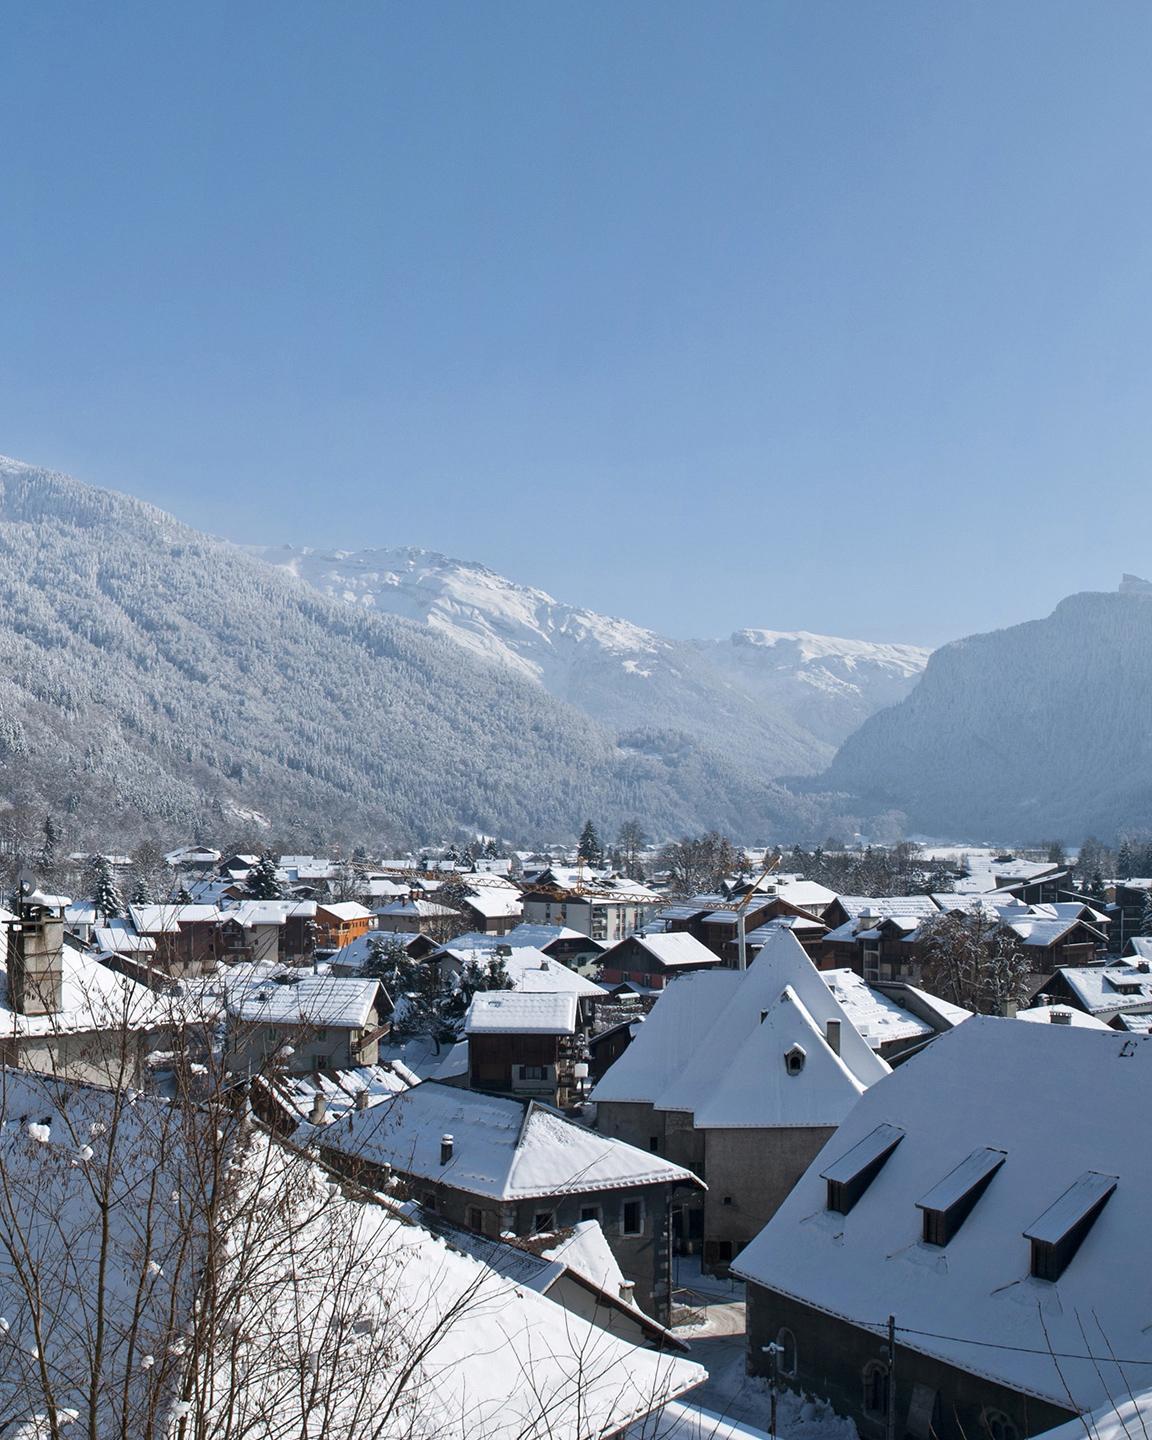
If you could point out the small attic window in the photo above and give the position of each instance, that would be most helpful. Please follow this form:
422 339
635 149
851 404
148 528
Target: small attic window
948 1204
794 1059
850 1176
1063 1227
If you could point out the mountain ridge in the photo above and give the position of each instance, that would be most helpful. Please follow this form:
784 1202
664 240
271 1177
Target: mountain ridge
780 701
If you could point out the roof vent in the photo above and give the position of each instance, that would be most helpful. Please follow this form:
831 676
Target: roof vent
447 1145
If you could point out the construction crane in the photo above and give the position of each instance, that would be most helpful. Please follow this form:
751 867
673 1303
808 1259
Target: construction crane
741 908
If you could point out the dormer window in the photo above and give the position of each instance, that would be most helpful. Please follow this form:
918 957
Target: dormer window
1064 1226
794 1059
850 1176
948 1204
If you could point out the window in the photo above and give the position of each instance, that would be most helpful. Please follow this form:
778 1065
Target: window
322 1037
533 1072
429 1201
786 1358
850 1176
632 1217
948 1204
1064 1226
543 1221
475 1218
589 1212
875 1395
654 1144
794 1059
1000 1426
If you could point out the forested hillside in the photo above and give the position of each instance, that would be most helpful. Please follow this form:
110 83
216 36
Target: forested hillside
1038 730
767 702
152 677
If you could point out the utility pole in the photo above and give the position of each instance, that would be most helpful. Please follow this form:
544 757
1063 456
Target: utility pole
774 1351
890 1427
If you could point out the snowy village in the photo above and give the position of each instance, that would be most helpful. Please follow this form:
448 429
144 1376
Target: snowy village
516 1145
575 746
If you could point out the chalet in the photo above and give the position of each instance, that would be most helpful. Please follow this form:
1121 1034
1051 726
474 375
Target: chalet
296 1022
876 937
1104 991
267 931
558 942
807 930
350 959
650 960
340 921
493 910
523 1043
1129 899
999 1233
186 936
501 1166
424 915
606 1046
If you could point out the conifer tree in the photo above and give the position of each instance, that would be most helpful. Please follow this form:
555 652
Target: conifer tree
1124 861
263 883
106 898
1146 915
589 848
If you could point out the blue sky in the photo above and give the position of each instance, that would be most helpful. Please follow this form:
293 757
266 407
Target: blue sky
819 314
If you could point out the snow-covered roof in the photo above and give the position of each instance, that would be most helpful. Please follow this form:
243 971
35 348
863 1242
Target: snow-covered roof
403 1335
784 1075
1043 932
416 910
343 910
527 933
519 1012
673 950
494 904
973 1303
269 912
1102 989
877 1017
1061 1015
888 905
343 1090
304 999
1125 1418
94 998
671 1032
503 1149
167 919
527 967
730 1042
118 938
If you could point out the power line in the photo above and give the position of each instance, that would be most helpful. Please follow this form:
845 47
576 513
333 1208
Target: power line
1015 1349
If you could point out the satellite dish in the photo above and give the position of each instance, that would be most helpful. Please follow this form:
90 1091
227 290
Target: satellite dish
28 882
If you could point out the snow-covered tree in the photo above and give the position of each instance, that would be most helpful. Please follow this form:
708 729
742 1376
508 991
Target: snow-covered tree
263 883
973 960
102 888
589 848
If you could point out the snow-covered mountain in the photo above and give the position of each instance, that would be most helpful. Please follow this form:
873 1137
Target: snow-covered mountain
778 701
1037 730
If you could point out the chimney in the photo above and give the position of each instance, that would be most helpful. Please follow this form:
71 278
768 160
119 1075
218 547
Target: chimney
832 1035
1059 1017
36 959
361 1101
446 1146
319 1107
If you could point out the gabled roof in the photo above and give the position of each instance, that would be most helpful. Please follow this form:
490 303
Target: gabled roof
502 1149
1103 989
94 998
304 999
527 967
494 903
973 1303
344 910
1061 1015
886 905
780 964
877 1016
519 1012
671 950
760 1089
671 1033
